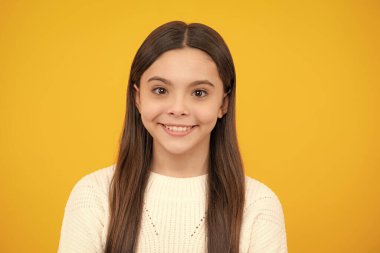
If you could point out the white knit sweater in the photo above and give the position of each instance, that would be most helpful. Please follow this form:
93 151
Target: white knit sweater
173 218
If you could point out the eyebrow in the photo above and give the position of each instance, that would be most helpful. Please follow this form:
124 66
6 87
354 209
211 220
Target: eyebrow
197 82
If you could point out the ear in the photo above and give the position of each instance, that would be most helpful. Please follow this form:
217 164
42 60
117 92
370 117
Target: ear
224 107
137 96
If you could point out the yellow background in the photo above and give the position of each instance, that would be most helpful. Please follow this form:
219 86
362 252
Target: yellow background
307 108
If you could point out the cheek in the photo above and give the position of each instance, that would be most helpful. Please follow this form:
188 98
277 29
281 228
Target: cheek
149 110
206 114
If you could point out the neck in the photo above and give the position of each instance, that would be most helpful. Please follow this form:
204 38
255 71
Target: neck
190 164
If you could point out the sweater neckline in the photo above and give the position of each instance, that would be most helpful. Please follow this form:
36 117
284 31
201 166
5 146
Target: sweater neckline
158 176
176 188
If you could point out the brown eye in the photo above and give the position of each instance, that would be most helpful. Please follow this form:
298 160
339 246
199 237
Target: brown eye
200 93
159 91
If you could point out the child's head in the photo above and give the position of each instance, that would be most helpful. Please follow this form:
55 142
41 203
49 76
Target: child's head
182 75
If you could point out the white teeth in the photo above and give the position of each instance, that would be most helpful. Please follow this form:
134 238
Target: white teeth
178 129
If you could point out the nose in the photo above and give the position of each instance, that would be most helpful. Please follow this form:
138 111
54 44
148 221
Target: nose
178 107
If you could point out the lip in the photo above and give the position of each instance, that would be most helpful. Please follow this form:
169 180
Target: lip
178 134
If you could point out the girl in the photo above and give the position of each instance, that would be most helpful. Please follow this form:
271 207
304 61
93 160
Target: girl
178 184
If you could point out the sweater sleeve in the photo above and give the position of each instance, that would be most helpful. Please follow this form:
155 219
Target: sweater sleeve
268 234
83 220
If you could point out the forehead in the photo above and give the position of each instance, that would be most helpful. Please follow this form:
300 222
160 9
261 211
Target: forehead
184 65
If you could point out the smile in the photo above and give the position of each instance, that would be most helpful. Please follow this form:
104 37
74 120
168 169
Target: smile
177 130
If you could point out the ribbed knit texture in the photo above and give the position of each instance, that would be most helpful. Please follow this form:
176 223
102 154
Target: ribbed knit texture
173 218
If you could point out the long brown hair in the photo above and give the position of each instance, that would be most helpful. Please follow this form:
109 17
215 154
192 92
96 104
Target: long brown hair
226 181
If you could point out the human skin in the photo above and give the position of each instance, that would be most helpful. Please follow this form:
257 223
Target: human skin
181 88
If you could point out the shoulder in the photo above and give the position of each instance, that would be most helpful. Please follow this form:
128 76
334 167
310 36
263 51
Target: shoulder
85 220
259 194
263 228
262 205
92 189
99 179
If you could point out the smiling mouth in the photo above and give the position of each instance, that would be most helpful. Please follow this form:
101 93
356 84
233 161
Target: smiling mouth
178 128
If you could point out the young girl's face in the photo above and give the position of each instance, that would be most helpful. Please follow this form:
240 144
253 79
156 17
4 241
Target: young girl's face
180 98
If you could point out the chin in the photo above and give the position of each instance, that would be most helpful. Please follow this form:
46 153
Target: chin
177 150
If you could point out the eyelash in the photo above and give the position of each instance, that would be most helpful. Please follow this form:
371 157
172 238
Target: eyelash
154 91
